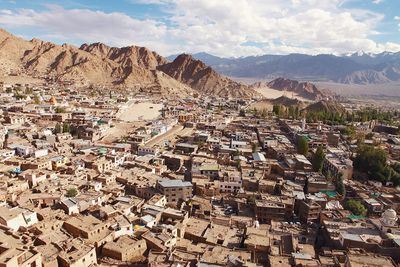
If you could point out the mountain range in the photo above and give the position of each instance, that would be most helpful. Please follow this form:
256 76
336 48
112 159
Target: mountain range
358 68
144 71
132 67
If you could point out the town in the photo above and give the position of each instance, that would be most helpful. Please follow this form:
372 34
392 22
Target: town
97 177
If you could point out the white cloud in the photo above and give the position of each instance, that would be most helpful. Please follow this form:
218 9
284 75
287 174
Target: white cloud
377 1
6 12
308 26
83 24
398 19
221 27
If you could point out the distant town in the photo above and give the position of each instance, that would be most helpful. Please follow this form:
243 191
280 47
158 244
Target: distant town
97 177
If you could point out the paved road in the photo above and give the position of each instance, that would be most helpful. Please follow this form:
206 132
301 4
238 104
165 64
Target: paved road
165 136
177 130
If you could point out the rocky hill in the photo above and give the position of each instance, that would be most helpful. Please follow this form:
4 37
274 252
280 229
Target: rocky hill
135 68
39 58
303 89
126 56
197 75
12 49
326 106
287 102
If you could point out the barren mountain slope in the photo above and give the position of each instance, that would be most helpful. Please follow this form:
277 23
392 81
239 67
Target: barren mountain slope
303 89
132 67
326 106
97 64
203 78
12 49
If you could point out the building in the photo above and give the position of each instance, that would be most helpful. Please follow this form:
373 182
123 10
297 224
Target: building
273 208
186 148
17 217
309 211
125 249
15 257
338 164
362 259
78 255
175 190
58 162
146 150
210 170
87 227
231 182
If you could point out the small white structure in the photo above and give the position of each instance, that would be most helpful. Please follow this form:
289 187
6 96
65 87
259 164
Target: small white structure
17 217
389 218
388 223
148 220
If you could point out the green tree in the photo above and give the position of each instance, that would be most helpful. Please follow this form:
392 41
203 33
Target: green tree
60 110
372 161
28 91
318 159
302 146
58 128
254 147
255 112
356 207
36 99
239 165
242 113
349 131
276 109
251 199
340 188
264 113
369 136
65 128
297 112
19 96
72 192
291 112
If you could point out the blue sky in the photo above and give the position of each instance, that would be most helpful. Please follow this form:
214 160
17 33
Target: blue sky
223 27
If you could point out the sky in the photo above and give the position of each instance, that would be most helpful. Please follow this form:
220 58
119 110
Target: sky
227 28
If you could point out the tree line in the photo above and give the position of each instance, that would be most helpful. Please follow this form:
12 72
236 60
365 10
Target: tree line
373 162
335 118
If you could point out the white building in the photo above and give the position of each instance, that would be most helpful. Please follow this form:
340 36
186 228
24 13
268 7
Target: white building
17 217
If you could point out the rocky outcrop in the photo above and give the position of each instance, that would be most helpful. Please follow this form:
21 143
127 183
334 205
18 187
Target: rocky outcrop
203 78
304 89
